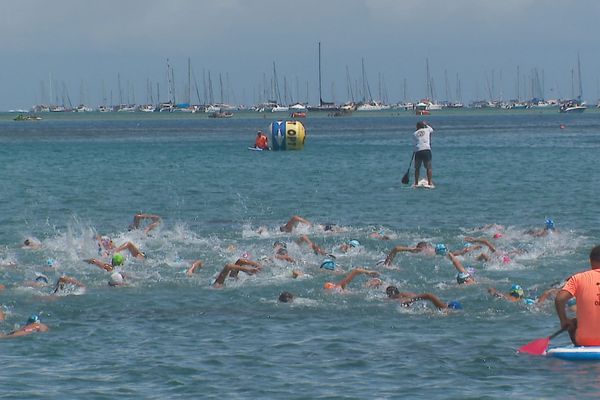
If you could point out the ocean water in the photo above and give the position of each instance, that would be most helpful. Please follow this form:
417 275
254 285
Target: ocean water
68 178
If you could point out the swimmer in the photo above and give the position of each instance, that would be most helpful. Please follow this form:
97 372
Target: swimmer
116 260
281 252
379 235
350 244
196 265
424 248
480 242
40 280
63 281
32 325
233 269
139 217
31 244
286 297
408 298
548 229
463 276
313 246
105 245
133 250
515 295
293 223
341 285
117 279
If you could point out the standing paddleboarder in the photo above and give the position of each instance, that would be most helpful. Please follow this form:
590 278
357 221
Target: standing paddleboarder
422 139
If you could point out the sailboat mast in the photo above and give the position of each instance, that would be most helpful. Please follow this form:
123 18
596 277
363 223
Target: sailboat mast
579 78
320 93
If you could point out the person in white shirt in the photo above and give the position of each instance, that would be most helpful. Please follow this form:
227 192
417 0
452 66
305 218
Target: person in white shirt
422 139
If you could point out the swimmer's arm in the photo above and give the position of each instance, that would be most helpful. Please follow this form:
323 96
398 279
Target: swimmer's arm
100 264
195 266
456 262
244 261
492 291
560 302
436 301
68 279
396 250
357 271
286 257
466 250
548 293
482 241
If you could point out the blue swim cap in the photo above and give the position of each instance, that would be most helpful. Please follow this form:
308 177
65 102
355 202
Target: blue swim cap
529 302
328 264
466 245
354 243
462 277
33 318
516 291
50 262
549 224
455 305
441 249
41 278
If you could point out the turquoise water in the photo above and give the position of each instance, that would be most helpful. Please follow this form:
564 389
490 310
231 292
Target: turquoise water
67 178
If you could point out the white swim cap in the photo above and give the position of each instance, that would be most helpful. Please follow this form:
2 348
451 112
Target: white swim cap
116 279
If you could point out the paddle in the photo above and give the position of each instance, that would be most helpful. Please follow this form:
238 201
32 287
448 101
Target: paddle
405 178
539 346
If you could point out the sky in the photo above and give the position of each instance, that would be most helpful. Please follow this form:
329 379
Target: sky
82 49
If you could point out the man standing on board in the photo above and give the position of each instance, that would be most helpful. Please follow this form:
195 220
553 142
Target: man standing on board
585 287
422 139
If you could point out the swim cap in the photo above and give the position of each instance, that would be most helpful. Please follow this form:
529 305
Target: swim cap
466 245
280 244
329 285
33 318
41 278
354 243
246 255
328 264
516 291
549 224
497 235
286 297
572 301
462 277
118 259
529 301
470 270
455 305
506 259
441 249
50 262
116 279
392 291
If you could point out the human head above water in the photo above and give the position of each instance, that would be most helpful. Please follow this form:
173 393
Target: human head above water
392 291
117 259
286 297
421 125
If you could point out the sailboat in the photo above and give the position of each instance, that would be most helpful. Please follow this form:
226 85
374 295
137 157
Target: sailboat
575 105
323 105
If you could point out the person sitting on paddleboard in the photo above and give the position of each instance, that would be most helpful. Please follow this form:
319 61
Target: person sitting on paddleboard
584 286
262 141
422 140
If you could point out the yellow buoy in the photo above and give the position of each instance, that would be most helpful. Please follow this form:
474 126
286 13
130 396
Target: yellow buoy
287 135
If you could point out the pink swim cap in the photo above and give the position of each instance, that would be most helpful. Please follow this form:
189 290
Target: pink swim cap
497 235
506 259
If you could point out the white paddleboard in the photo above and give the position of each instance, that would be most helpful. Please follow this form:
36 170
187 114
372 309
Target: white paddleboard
423 185
254 149
575 353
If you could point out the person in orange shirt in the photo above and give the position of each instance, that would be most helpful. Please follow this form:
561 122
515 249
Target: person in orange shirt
585 287
262 141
